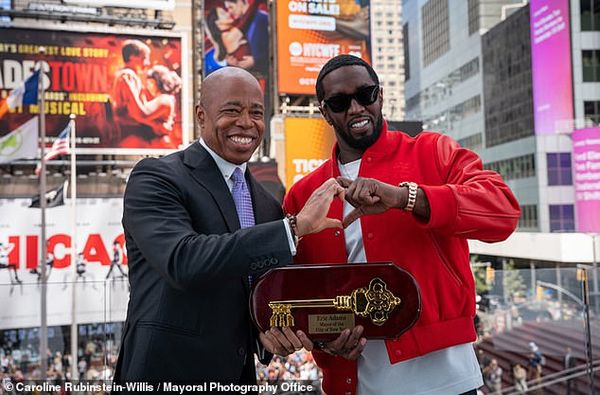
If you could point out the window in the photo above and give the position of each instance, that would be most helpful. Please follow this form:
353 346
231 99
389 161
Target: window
529 217
473 16
590 14
559 168
514 168
562 218
435 22
591 110
506 66
591 65
5 5
472 142
406 52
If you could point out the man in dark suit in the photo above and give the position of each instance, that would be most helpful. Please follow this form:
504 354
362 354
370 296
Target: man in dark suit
198 228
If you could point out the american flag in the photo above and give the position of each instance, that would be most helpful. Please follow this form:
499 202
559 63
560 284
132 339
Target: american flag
59 147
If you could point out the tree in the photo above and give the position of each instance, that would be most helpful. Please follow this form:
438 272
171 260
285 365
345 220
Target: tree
480 273
513 283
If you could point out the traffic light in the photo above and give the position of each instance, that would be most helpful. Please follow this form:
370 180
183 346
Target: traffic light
490 275
539 292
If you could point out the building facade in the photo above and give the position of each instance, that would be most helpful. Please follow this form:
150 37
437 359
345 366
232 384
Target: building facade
470 75
387 38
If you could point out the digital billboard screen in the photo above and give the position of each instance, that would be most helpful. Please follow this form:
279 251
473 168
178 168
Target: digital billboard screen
586 174
308 143
236 33
551 66
125 90
311 32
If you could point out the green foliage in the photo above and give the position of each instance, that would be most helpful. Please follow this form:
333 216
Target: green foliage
482 285
513 283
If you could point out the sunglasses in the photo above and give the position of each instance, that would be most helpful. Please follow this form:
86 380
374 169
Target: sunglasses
364 96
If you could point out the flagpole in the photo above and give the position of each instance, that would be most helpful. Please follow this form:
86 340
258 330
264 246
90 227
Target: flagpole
74 332
43 301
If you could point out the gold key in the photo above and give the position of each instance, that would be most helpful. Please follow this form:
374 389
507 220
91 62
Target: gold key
376 302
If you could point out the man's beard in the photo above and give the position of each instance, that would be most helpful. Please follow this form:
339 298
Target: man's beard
364 142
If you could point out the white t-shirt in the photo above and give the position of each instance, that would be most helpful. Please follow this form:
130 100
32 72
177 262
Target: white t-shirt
451 371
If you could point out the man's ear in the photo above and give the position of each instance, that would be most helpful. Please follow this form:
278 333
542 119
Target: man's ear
325 115
200 116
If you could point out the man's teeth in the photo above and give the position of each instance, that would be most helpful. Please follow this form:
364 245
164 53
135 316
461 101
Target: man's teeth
241 140
360 124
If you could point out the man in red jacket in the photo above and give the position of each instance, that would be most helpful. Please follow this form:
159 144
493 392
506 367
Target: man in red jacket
415 202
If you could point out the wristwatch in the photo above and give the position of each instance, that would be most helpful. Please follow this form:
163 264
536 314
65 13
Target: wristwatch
412 194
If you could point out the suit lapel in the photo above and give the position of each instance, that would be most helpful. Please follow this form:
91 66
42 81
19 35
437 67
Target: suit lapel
261 211
206 173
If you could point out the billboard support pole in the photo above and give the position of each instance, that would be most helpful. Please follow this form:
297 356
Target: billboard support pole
197 60
585 292
74 339
273 71
44 252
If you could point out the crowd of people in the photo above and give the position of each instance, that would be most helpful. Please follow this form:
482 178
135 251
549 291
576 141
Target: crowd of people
95 364
297 366
521 375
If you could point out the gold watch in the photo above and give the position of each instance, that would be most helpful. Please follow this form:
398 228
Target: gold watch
412 194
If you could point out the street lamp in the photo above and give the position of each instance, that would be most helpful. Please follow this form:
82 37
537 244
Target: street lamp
582 275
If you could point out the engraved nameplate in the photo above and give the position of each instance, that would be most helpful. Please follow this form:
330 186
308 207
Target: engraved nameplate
329 323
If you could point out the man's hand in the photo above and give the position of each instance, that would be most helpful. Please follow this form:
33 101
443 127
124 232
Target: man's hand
348 345
370 196
284 342
313 216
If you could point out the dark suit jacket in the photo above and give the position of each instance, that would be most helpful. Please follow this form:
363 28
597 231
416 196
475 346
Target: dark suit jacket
189 263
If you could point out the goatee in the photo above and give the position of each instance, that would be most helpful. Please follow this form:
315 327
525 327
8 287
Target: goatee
364 142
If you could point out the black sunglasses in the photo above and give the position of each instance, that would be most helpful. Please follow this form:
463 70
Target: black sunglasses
365 96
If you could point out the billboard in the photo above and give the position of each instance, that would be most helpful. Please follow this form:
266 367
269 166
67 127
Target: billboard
311 32
551 66
308 143
126 90
236 33
151 4
98 229
586 174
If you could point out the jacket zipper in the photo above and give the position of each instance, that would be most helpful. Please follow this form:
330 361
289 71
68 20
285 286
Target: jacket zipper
445 263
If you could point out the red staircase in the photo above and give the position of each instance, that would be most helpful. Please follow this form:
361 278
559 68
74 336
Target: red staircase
552 338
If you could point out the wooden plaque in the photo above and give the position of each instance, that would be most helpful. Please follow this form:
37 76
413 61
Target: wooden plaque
323 300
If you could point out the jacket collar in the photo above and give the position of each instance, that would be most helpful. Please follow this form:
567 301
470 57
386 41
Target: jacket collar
206 172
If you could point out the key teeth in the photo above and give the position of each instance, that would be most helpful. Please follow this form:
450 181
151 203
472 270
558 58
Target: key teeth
281 320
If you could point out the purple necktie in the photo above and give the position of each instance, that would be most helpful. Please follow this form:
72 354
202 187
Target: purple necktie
242 199
243 203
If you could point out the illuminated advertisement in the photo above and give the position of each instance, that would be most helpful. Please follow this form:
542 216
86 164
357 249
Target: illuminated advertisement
125 90
551 66
308 143
236 33
586 170
151 4
311 32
